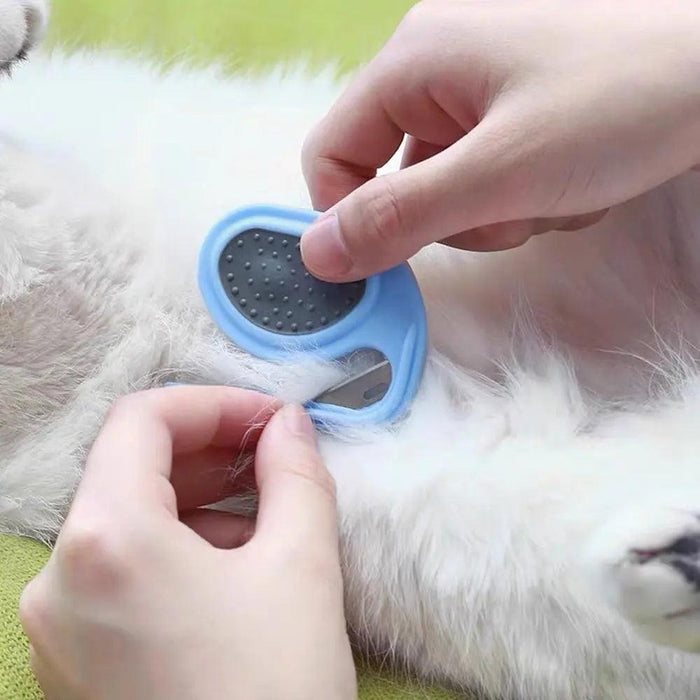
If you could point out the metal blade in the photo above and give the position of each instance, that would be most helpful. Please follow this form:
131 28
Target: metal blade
360 390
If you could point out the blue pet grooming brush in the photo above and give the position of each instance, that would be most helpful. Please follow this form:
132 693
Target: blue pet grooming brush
262 297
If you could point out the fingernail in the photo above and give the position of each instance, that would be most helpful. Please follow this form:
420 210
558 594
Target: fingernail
299 422
323 248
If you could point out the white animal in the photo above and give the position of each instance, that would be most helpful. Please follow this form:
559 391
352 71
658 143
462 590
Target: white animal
526 530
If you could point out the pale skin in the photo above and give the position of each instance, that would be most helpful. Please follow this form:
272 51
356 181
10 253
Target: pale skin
522 117
148 596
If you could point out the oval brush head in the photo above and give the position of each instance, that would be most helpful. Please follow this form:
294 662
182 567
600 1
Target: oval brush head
266 281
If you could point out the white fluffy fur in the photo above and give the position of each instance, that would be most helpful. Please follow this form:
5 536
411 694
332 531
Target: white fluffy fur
489 538
22 24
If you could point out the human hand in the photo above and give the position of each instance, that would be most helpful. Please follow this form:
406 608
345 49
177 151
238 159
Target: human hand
137 603
523 117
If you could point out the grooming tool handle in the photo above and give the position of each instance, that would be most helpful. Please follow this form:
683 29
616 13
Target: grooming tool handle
395 325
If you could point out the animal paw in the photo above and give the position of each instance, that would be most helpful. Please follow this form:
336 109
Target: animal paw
22 26
651 573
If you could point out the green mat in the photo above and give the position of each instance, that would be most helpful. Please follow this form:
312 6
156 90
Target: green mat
239 34
21 559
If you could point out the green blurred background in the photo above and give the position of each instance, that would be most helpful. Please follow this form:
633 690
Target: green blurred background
250 34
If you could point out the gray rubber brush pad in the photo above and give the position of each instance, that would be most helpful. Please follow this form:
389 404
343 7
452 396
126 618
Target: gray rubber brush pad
266 281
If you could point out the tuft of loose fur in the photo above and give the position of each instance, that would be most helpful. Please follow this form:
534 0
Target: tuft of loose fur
529 531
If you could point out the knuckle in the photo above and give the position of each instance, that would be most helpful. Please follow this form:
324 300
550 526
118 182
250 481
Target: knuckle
324 175
383 218
324 179
93 559
33 609
309 154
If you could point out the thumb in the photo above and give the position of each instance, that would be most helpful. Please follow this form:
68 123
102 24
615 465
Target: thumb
390 218
297 494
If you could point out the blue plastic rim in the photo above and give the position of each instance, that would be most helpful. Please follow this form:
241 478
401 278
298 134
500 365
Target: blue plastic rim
390 318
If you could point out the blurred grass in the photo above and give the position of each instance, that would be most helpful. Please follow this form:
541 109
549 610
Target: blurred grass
250 34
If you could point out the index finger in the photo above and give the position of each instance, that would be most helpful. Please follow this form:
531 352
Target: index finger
367 125
133 453
356 138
